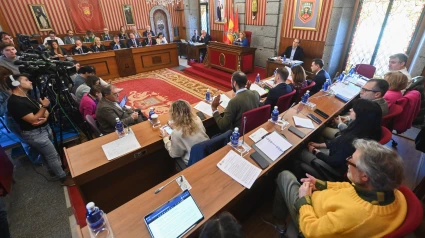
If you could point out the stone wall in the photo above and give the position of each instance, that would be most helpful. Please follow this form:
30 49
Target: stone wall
342 11
191 15
264 38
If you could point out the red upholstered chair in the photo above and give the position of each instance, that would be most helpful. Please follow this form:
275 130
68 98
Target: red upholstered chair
303 90
93 126
413 217
366 70
386 136
284 101
248 35
388 120
255 118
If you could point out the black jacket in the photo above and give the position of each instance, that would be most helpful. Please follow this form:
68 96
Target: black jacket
299 53
130 43
320 79
102 48
276 92
122 45
76 51
146 42
145 33
195 38
205 40
52 52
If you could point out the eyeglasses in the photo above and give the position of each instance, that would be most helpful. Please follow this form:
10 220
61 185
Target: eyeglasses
116 94
367 90
349 162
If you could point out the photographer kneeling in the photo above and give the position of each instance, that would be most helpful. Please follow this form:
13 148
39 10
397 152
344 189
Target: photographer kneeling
32 119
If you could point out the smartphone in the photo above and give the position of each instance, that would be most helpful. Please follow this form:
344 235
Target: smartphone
167 129
201 115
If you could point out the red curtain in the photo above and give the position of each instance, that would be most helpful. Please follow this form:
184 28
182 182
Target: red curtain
86 15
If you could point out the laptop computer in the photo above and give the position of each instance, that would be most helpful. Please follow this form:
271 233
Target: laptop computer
123 101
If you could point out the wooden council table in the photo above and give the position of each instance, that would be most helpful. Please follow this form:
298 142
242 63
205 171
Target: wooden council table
212 189
271 66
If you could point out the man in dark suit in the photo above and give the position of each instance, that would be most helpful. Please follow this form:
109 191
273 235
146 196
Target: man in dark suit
79 48
294 52
148 30
280 88
108 109
70 38
321 75
204 38
149 41
117 43
133 42
195 36
106 36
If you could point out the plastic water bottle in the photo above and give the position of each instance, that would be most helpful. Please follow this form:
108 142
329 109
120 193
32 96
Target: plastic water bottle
304 99
234 139
275 72
275 114
341 77
326 85
151 112
257 79
119 128
351 71
284 58
208 95
98 222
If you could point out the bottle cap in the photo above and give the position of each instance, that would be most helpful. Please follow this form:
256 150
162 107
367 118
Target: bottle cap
236 129
117 119
90 206
275 107
308 91
258 74
208 89
151 109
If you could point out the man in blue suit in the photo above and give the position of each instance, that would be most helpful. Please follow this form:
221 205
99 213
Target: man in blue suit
321 75
280 88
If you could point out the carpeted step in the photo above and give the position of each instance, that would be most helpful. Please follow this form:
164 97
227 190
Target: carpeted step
225 82
213 72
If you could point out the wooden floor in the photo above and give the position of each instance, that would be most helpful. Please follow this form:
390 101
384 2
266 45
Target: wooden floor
253 226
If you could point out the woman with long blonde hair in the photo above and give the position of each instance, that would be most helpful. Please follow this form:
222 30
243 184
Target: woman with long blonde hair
188 130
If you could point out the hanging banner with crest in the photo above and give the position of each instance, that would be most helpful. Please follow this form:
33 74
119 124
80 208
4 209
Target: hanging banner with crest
86 15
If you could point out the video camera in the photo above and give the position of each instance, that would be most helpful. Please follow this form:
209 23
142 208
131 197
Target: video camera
25 41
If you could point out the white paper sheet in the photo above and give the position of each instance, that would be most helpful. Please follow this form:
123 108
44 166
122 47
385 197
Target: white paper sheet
303 122
256 136
224 100
257 88
346 90
204 107
121 146
273 145
239 169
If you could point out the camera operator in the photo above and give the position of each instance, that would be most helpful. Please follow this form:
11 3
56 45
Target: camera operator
32 119
6 38
9 56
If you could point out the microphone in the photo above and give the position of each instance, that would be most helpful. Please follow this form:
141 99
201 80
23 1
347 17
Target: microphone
244 123
162 187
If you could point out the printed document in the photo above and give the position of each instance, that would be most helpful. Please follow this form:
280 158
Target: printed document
121 146
239 169
273 145
224 100
204 107
258 135
303 122
257 88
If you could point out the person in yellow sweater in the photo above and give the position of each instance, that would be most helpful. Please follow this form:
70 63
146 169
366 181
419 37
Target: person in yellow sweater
369 206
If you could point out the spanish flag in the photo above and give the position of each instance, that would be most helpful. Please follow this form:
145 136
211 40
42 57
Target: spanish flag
230 27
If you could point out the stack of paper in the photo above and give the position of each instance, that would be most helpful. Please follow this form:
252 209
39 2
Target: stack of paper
239 169
257 88
273 145
121 146
224 100
258 135
346 90
204 108
302 122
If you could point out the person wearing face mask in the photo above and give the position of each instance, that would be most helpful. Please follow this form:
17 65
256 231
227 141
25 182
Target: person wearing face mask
243 101
90 100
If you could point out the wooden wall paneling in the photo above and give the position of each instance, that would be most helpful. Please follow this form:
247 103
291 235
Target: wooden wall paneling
217 35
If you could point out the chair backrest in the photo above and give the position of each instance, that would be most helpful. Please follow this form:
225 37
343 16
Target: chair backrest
6 171
93 126
205 148
284 102
413 217
248 35
366 70
411 104
388 119
303 90
254 118
386 136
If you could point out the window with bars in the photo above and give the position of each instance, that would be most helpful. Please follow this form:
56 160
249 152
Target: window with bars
384 28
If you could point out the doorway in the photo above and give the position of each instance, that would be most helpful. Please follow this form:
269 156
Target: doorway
160 22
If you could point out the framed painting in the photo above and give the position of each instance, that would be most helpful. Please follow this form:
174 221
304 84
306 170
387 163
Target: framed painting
307 14
128 14
41 18
219 10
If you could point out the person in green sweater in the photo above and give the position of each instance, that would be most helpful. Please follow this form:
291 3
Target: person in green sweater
244 100
369 206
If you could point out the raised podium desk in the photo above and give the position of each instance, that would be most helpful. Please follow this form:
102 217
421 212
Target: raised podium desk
231 58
